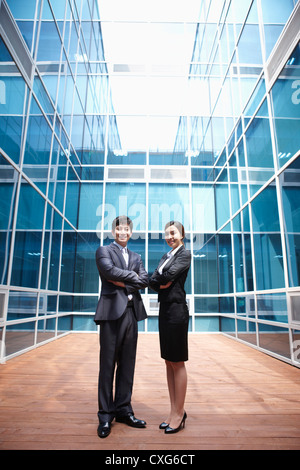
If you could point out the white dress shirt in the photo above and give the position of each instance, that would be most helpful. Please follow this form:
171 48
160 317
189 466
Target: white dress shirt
169 255
124 251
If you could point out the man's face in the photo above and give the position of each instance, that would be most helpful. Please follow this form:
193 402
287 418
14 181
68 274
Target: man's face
122 234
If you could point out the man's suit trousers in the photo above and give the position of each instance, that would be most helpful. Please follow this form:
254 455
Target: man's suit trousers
118 341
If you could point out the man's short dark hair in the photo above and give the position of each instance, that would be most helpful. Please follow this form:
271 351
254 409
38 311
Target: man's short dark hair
122 220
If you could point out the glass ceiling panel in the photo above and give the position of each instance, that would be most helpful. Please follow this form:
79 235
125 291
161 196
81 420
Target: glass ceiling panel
148 48
154 10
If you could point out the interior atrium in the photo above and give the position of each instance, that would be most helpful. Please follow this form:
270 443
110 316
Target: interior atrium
158 110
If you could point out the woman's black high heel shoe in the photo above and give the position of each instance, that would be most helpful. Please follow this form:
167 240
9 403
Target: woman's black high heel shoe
169 430
163 425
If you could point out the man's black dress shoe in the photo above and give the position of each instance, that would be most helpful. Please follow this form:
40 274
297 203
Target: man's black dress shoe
131 420
104 429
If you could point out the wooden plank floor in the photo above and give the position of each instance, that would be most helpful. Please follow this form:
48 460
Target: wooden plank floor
238 398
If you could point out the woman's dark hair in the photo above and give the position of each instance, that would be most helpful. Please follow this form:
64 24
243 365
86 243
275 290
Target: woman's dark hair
178 225
123 220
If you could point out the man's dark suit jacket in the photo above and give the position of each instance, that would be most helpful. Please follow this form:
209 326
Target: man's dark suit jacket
113 299
176 270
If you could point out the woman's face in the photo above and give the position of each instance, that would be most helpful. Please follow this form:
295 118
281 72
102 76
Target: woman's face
173 237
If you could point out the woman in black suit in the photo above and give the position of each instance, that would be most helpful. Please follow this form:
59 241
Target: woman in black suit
168 280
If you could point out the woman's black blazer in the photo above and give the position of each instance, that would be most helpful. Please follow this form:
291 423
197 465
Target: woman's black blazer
176 270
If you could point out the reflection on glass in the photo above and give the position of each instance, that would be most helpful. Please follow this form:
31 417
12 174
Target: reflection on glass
45 329
246 331
259 151
275 339
21 305
50 263
127 140
205 265
245 306
86 274
19 337
267 240
272 307
124 198
291 209
38 141
275 14
203 206
89 205
286 99
168 202
26 259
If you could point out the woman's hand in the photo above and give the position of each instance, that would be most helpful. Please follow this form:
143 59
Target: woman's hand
118 283
165 286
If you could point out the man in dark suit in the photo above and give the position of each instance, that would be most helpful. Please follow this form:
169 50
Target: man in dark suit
119 309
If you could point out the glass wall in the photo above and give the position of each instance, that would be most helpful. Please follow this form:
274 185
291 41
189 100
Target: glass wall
201 135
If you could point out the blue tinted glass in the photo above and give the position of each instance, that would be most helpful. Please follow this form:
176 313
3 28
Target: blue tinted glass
249 45
267 245
22 10
38 141
137 243
92 173
265 215
127 158
259 146
168 202
205 265
5 239
31 208
256 96
225 268
157 246
26 28
11 128
275 14
21 305
243 262
125 199
286 99
51 256
26 259
268 261
272 307
222 204
49 35
12 95
43 98
68 261
7 197
4 54
291 210
86 273
58 7
90 202
203 200
71 210
168 158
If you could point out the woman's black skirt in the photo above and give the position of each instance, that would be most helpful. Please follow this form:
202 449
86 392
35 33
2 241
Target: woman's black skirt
173 331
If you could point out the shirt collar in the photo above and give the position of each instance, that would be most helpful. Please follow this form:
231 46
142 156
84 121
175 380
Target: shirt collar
173 252
120 246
